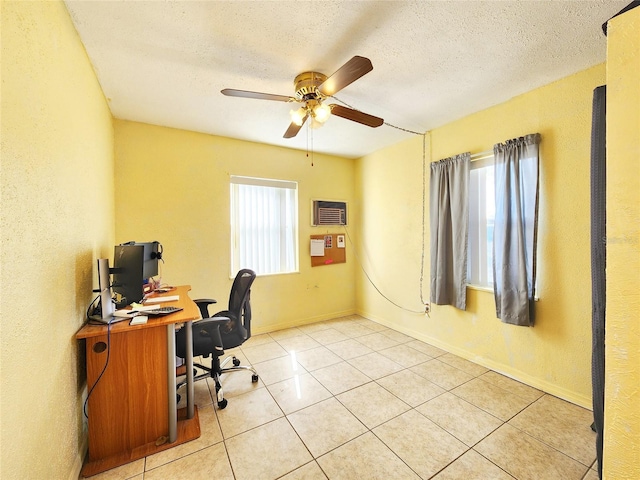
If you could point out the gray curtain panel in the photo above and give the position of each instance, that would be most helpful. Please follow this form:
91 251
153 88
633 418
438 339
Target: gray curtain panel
449 225
515 230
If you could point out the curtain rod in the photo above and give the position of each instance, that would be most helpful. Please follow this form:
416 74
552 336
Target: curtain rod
481 155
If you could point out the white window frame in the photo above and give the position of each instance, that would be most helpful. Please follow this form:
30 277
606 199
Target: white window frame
481 217
264 225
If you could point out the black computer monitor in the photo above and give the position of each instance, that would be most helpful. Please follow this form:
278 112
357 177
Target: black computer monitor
127 274
133 264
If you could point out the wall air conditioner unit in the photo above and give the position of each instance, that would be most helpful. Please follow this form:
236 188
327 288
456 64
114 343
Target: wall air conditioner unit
327 213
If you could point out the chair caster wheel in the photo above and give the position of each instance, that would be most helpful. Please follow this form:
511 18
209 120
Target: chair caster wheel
254 378
222 404
236 362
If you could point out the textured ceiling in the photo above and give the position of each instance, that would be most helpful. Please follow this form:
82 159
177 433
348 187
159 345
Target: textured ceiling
165 62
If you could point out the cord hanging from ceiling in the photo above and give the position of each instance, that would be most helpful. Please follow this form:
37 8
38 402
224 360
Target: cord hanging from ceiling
427 305
384 123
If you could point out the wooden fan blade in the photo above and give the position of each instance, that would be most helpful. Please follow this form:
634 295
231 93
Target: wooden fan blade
293 129
230 92
345 75
356 116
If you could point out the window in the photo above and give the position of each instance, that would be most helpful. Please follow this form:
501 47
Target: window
264 225
481 220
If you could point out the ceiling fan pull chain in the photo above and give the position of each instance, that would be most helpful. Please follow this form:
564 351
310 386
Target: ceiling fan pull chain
310 136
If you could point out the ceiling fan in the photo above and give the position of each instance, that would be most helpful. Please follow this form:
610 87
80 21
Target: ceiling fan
312 89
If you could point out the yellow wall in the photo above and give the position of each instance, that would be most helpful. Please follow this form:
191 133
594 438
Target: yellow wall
57 219
622 358
389 195
173 186
555 355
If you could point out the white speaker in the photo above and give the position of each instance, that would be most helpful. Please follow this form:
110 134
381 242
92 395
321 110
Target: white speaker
104 283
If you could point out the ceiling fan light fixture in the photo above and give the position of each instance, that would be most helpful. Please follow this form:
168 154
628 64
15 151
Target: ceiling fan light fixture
298 116
321 112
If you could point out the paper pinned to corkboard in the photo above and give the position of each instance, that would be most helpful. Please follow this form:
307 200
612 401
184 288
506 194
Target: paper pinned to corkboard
317 247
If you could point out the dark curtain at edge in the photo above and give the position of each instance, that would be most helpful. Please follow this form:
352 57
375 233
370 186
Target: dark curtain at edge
598 261
449 227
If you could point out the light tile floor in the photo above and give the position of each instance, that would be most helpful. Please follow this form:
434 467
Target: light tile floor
351 399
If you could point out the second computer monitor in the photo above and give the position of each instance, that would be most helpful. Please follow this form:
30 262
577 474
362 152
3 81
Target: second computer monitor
150 256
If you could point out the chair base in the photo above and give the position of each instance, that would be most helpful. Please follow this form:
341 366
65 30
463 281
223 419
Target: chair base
217 371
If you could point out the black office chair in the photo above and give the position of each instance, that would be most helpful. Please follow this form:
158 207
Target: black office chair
215 333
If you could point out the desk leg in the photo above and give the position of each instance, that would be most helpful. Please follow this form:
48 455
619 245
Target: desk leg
189 360
171 382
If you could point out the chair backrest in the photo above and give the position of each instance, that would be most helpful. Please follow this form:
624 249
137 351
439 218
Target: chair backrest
240 289
239 301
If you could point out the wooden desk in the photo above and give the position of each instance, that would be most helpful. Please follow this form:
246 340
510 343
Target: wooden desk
132 409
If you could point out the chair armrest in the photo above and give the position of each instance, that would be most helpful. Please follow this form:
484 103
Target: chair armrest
217 321
210 327
207 300
203 305
236 327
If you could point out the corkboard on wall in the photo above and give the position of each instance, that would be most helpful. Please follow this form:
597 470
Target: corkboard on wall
333 249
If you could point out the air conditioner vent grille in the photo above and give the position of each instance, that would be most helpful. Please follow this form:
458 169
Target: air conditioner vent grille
330 216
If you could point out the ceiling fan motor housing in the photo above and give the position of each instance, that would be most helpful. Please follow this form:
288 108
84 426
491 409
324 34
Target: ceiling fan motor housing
306 85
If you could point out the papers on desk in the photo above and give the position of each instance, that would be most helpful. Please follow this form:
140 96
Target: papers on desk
145 308
126 313
167 298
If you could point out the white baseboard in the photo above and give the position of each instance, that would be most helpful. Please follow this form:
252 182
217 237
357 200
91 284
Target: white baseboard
260 329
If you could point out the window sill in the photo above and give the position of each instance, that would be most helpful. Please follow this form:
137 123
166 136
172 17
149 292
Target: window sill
295 272
480 288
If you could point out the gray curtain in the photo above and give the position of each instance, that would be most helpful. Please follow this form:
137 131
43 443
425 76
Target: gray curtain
515 230
449 222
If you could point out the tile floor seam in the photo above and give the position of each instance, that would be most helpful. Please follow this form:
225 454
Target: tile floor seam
303 442
531 402
450 463
343 444
483 409
226 450
535 439
488 459
468 448
453 434
224 438
541 440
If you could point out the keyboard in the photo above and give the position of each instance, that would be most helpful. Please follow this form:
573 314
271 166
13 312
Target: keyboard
162 311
